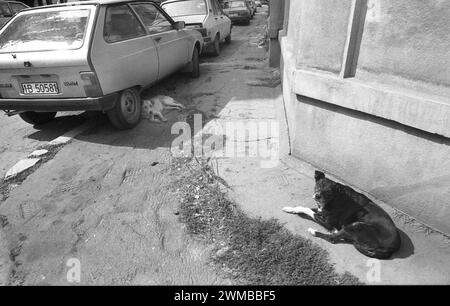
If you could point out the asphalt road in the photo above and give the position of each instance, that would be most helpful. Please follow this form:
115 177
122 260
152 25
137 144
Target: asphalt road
105 203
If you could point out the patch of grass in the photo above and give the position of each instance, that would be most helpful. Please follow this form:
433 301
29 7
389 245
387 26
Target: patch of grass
250 250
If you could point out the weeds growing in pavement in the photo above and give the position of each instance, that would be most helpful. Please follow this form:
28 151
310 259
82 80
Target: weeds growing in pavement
249 250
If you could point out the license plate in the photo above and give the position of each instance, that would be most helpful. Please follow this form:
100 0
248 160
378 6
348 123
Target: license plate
43 88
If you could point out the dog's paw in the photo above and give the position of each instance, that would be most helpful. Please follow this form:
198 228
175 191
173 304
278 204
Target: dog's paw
312 231
289 210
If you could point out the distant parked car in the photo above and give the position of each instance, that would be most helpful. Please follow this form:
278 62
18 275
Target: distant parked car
8 9
93 55
206 16
252 5
237 11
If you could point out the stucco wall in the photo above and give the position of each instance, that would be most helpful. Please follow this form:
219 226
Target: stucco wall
404 167
409 38
398 159
322 45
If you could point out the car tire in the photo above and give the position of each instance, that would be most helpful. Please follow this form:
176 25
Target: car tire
216 46
228 39
126 114
37 117
195 62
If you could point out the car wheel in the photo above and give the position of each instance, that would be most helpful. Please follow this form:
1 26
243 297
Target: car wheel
37 117
216 46
195 73
126 114
228 39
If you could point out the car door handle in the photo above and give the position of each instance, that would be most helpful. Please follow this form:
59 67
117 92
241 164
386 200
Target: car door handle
157 39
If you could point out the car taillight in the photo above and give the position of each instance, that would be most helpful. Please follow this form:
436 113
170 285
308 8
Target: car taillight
91 85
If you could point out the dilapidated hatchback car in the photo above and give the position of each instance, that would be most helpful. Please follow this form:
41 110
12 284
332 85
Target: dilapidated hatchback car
93 55
206 16
237 11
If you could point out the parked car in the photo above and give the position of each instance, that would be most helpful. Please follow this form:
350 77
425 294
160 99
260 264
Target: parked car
237 11
94 55
8 9
206 16
252 5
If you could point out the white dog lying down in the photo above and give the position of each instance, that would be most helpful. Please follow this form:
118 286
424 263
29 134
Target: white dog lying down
153 108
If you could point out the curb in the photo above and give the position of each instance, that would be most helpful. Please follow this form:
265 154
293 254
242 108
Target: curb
35 156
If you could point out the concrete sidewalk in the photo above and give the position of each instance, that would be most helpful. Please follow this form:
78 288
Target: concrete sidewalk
262 192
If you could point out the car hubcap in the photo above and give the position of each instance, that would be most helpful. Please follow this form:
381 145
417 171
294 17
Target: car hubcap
129 105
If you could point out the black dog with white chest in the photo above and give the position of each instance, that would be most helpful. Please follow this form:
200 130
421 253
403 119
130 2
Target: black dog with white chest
352 218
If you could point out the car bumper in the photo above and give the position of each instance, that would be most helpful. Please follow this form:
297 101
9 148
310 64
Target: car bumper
239 18
60 104
207 42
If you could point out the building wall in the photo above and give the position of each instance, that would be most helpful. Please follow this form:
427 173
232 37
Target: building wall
385 129
408 38
322 46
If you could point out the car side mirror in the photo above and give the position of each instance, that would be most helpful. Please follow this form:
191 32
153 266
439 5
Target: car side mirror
179 25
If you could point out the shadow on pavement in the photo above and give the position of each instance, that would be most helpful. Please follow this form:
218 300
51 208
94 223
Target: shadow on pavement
406 248
60 125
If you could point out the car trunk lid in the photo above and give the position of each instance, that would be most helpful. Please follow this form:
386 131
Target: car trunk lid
43 51
194 19
42 74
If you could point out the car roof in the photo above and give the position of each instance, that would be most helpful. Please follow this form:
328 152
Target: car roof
167 1
92 2
102 2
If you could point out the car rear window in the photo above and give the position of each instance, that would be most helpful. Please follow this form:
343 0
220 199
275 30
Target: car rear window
4 10
17 7
45 31
233 4
185 8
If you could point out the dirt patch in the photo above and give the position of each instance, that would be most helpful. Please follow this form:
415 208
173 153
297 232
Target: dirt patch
248 250
272 81
6 186
254 59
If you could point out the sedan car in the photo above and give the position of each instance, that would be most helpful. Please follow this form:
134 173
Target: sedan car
93 55
8 9
252 5
237 11
206 16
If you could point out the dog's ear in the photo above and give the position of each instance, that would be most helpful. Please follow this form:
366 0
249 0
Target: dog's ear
318 175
